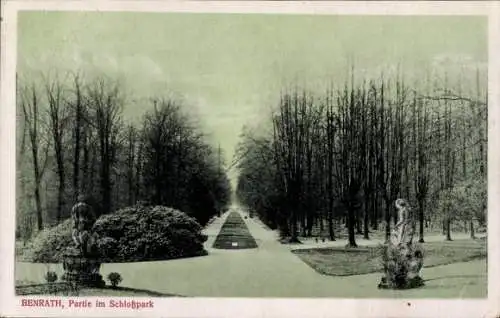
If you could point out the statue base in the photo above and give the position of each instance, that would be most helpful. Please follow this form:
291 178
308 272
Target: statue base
414 282
81 269
402 265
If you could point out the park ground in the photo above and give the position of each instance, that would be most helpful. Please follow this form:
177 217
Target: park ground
272 270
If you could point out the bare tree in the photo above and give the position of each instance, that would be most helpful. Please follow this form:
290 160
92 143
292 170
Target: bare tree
330 163
352 102
292 126
106 105
33 118
57 122
78 106
131 163
423 142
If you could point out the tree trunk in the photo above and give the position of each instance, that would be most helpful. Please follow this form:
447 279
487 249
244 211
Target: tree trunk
283 226
472 233
310 221
294 238
375 212
85 165
350 227
374 217
106 187
38 179
448 230
366 220
78 137
331 232
388 213
421 221
60 197
358 222
38 203
303 226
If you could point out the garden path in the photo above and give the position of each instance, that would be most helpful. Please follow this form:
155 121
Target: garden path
271 270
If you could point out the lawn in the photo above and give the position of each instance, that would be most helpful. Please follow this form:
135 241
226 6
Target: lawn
64 289
365 260
234 234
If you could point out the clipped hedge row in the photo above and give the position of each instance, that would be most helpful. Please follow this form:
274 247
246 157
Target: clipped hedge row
137 233
234 234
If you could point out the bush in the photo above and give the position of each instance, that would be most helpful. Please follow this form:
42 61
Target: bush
49 245
115 278
108 247
50 277
149 233
138 233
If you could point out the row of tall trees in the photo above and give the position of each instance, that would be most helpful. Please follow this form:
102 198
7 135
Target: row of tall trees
344 157
73 139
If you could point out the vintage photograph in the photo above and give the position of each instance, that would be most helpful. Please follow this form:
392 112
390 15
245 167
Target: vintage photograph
205 154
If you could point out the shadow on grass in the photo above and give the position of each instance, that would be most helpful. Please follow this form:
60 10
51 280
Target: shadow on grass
452 276
153 259
129 260
65 289
146 292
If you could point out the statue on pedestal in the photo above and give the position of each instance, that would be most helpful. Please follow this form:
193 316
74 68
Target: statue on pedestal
405 227
83 220
402 258
81 262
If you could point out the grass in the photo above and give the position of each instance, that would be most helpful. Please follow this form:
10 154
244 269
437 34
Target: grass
234 234
123 291
365 260
64 289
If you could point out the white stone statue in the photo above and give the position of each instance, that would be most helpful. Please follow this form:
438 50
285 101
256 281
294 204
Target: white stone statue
403 259
405 227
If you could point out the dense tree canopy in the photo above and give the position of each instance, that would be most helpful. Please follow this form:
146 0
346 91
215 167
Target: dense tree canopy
73 138
345 156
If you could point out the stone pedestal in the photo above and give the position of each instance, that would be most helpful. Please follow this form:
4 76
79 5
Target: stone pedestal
402 265
81 269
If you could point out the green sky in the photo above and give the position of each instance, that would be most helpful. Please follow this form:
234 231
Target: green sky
230 67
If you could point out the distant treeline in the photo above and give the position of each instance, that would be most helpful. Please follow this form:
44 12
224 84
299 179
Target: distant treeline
72 138
344 157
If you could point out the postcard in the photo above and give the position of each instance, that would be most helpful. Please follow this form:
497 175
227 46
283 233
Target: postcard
253 159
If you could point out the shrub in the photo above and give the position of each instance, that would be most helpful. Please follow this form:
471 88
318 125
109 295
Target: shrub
108 247
148 233
50 276
115 278
49 245
137 233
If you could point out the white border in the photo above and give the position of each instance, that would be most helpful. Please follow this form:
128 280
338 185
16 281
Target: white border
234 307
